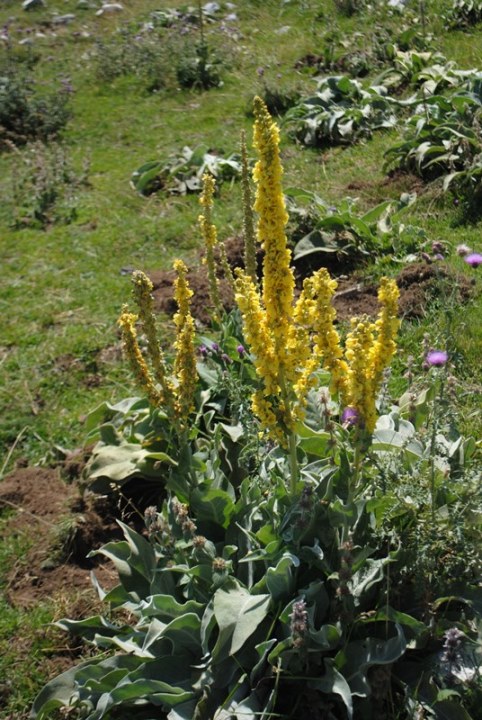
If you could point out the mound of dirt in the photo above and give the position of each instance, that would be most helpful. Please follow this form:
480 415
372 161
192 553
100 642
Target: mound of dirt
419 284
60 529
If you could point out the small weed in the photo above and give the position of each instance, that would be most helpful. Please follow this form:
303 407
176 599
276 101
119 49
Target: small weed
26 115
44 186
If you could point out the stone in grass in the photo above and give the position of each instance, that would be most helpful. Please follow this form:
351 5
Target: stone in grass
32 4
109 8
84 5
63 19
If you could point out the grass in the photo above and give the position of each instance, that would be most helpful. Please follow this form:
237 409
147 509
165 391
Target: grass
63 287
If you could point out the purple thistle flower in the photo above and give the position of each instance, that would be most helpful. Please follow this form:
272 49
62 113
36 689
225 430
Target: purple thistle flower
438 256
453 641
215 347
437 247
350 416
436 358
241 350
474 260
463 250
202 350
225 358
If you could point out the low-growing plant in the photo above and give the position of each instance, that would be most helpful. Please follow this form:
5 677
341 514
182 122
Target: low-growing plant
463 14
319 228
442 138
183 173
341 112
277 577
26 115
142 54
349 7
44 185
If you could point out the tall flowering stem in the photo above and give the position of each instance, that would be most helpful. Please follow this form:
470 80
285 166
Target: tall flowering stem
144 378
142 291
210 237
185 360
268 315
248 221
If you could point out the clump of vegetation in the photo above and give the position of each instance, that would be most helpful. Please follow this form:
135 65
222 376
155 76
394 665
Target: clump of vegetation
44 186
339 113
183 173
25 114
347 236
162 51
143 55
464 14
442 139
291 566
349 7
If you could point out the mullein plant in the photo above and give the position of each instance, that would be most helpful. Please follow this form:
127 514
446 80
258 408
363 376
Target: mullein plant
291 339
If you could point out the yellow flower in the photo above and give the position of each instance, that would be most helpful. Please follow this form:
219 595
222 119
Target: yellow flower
387 326
327 345
359 389
132 351
185 361
142 294
278 279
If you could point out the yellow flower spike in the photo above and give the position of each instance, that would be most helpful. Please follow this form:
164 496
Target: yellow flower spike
359 388
299 346
386 326
185 361
257 332
209 234
278 279
326 339
145 381
142 292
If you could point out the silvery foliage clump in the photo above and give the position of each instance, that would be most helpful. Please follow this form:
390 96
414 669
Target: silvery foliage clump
182 173
241 600
340 112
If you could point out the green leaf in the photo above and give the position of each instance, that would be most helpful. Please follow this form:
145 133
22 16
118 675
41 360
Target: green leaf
279 580
57 693
210 505
358 656
333 682
238 614
166 608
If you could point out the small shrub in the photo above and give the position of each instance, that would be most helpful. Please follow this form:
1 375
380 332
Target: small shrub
183 173
349 7
464 14
199 69
442 139
341 112
322 232
44 186
26 115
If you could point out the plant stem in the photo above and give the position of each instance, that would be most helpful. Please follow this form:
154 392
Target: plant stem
293 463
291 436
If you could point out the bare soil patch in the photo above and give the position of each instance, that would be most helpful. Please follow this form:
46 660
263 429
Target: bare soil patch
61 528
419 283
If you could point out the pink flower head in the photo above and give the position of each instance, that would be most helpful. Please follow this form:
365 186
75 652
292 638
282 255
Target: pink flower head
436 358
350 416
474 260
